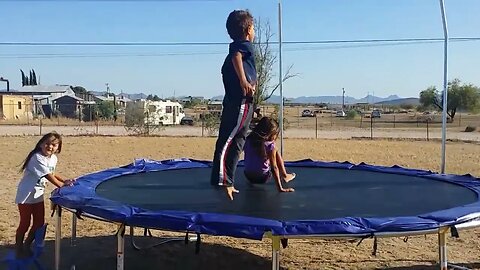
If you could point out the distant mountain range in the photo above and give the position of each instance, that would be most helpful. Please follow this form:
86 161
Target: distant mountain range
390 100
129 96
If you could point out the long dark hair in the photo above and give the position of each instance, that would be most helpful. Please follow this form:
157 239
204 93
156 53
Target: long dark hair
49 137
265 130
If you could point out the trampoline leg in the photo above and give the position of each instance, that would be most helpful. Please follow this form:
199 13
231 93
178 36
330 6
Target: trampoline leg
58 235
74 230
275 253
442 249
120 246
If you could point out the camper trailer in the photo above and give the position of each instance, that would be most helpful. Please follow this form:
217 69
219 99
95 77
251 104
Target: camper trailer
155 112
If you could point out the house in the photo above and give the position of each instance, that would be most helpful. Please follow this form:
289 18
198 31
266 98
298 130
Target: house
120 100
15 107
68 106
43 96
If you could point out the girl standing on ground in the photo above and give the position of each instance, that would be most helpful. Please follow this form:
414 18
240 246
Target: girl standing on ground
38 169
262 158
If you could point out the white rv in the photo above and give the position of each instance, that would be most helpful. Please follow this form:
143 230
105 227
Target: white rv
155 112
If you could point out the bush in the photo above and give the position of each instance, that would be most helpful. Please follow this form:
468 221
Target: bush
351 115
470 129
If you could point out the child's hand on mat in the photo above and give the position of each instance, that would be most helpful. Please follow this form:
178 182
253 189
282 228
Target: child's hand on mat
287 190
69 182
230 191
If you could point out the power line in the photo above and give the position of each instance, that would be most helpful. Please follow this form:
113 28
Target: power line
33 43
139 54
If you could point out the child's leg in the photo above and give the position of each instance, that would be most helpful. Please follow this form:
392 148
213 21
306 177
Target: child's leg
283 171
231 138
25 211
38 212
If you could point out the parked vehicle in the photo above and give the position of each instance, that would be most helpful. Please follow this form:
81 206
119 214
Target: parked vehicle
376 114
155 112
340 114
307 113
187 120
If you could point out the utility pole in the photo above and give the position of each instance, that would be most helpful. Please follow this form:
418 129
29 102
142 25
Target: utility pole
343 99
108 89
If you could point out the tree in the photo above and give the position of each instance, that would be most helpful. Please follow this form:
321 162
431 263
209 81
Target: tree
105 109
264 62
32 80
150 97
466 96
24 78
79 90
156 98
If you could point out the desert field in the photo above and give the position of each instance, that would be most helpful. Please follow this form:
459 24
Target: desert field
96 242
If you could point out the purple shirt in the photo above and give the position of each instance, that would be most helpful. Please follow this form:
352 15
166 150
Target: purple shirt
254 163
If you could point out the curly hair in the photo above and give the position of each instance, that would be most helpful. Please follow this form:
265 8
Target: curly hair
265 130
238 22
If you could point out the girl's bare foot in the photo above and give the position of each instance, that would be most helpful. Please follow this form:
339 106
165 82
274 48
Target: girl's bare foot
289 177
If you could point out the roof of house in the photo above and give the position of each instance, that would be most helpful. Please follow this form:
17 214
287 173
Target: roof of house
57 88
72 97
110 98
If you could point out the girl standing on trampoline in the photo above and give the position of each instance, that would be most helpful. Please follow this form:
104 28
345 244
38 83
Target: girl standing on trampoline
262 158
38 168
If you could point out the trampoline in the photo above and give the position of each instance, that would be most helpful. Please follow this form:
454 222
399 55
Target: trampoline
331 199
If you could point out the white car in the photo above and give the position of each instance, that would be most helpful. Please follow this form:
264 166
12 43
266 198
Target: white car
340 114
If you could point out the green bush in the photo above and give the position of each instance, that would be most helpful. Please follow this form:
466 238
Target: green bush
351 115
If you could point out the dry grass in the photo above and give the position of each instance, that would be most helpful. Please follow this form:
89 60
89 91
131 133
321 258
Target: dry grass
96 243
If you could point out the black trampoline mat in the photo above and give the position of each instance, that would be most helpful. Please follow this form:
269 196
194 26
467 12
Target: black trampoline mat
320 193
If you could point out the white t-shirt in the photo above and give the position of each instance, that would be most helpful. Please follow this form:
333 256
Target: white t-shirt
32 186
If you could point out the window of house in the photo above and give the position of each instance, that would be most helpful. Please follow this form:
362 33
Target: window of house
168 109
19 105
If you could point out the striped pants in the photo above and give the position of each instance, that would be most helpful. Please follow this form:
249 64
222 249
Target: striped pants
231 138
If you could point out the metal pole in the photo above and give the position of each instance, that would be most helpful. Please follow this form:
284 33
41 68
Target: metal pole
120 247
442 250
343 99
58 235
445 84
275 253
280 76
73 240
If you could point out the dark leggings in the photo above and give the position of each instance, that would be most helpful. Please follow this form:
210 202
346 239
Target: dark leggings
37 210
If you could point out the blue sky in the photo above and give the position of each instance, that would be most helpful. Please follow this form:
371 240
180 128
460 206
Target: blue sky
322 69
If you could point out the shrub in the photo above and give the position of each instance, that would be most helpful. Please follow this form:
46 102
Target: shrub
470 129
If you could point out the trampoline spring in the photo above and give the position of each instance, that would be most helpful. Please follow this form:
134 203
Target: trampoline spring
197 244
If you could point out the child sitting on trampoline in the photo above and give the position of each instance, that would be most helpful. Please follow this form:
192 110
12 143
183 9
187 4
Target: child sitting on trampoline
262 158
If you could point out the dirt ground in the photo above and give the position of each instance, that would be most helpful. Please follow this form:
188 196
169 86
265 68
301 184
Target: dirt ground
96 243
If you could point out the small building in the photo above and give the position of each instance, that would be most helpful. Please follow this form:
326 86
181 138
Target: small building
15 107
69 106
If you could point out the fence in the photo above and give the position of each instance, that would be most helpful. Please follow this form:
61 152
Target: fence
324 124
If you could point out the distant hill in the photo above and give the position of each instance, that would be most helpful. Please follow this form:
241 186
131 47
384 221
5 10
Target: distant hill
334 99
400 101
129 96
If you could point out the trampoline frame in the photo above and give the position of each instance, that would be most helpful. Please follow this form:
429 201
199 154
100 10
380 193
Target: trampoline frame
460 222
471 222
